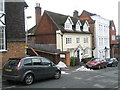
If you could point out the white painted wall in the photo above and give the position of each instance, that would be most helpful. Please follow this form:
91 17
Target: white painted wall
72 47
101 34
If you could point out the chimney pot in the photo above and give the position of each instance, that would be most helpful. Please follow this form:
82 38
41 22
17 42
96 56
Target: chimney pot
75 13
37 4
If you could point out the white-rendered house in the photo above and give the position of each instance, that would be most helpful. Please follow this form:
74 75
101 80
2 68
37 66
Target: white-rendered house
101 36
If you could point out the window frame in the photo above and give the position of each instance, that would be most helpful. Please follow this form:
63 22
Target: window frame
85 40
113 37
113 28
1 6
77 40
2 39
68 40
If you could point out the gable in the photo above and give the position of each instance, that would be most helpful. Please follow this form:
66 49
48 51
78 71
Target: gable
86 26
86 16
78 25
69 21
46 25
68 24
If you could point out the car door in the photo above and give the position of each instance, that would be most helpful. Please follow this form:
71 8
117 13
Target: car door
37 68
49 69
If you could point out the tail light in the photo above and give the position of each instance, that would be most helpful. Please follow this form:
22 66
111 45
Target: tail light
19 64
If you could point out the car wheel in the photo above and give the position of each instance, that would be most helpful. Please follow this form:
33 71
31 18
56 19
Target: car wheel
28 80
112 65
99 67
57 75
105 66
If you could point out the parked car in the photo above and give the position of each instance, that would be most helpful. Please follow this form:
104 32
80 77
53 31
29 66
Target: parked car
112 61
96 63
29 69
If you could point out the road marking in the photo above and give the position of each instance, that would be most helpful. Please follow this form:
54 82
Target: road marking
77 78
9 87
99 86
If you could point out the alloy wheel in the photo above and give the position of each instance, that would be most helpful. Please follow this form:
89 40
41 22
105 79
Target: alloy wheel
28 79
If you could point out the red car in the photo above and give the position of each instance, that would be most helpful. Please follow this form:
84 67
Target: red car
96 63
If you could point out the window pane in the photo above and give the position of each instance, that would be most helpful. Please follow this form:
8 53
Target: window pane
1 5
77 40
2 38
68 40
27 62
45 61
36 61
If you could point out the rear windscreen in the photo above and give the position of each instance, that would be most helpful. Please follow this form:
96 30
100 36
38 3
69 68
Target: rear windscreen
13 62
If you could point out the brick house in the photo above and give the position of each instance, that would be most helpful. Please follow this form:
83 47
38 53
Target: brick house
67 33
113 40
85 15
14 30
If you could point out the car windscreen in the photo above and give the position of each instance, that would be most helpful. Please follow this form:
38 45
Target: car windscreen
96 60
13 62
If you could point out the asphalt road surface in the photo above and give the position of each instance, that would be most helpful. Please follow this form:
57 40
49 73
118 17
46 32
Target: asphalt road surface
103 78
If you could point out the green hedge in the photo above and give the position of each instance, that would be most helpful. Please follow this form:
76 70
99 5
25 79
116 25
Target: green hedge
74 61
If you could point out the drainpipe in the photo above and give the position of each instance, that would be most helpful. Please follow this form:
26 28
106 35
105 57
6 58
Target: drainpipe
62 41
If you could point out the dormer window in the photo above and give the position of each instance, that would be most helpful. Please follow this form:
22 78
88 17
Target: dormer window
86 26
68 24
78 24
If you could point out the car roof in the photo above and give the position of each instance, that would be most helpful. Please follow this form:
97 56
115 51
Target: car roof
25 57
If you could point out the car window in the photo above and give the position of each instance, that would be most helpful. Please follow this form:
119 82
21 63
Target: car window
36 61
27 62
13 62
45 61
96 60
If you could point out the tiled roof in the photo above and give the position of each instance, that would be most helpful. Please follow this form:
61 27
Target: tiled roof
59 20
90 14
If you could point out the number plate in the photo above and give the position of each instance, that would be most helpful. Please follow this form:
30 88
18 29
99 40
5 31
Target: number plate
9 70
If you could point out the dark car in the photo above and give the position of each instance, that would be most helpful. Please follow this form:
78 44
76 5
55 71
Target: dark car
112 61
96 63
29 69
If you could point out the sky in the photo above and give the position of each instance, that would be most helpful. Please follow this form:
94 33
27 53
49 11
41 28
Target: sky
105 8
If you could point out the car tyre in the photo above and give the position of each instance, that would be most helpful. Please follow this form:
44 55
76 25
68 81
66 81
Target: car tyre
112 65
99 67
57 75
29 79
105 66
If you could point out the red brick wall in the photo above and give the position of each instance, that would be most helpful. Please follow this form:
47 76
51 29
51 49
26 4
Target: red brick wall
85 16
112 32
14 49
46 31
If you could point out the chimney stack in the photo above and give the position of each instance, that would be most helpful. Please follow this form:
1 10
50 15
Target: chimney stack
38 13
75 13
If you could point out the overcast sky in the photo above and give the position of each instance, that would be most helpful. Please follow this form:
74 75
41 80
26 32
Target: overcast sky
105 8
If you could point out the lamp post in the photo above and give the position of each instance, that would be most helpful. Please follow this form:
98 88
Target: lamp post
26 41
26 34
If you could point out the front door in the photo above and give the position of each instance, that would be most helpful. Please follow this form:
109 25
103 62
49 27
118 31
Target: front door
78 54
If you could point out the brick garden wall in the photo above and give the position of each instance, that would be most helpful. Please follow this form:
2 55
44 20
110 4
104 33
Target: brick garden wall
14 49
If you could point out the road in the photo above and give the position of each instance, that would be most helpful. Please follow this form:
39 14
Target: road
103 78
